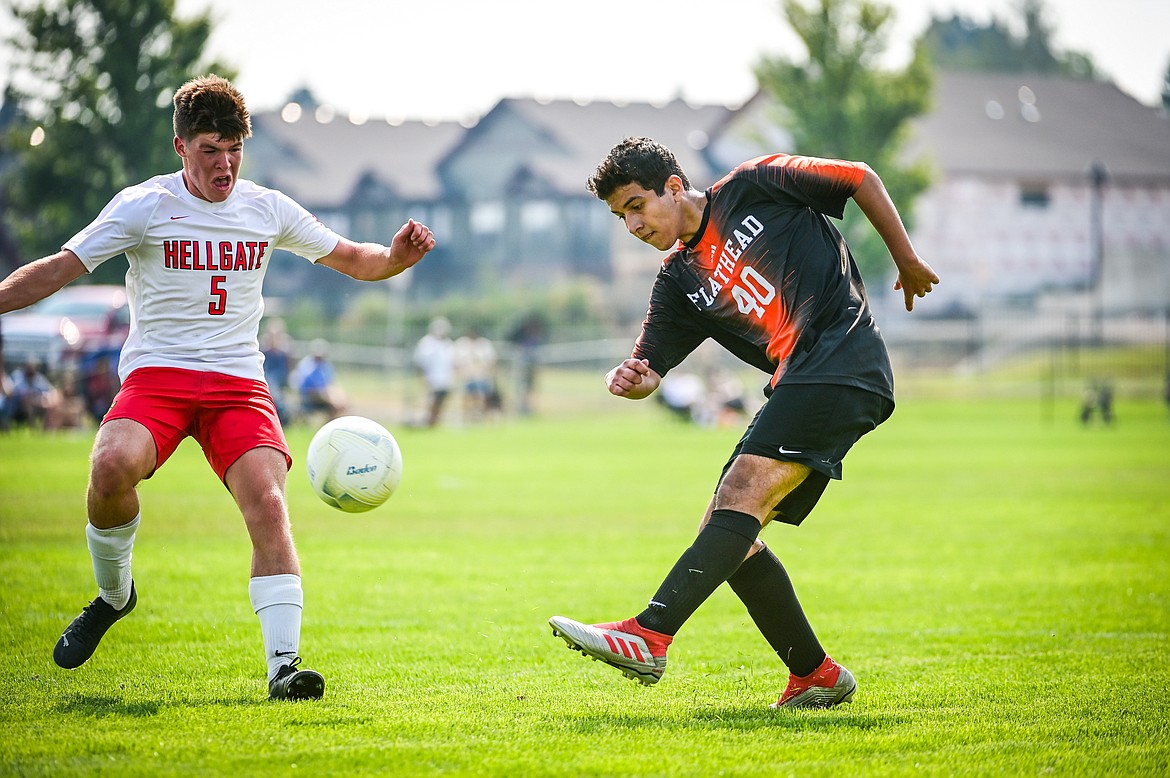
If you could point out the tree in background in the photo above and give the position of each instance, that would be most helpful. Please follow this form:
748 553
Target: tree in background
960 44
1166 90
841 103
9 252
93 80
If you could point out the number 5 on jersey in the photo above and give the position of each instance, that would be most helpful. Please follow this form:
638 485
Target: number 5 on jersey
218 304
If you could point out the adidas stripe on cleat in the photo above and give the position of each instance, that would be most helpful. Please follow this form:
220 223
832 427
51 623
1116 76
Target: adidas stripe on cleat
828 685
640 654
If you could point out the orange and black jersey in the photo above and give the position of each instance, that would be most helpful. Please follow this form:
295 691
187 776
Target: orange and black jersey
770 278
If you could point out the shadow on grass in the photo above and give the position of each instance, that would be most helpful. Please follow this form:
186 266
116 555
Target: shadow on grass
742 720
99 706
307 713
796 721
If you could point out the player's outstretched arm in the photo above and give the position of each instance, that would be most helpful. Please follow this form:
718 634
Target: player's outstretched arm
373 261
915 277
37 280
632 379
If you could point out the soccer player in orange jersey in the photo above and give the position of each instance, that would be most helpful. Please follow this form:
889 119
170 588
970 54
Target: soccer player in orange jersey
757 265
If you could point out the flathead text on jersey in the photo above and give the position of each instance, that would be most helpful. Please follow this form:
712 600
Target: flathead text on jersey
724 271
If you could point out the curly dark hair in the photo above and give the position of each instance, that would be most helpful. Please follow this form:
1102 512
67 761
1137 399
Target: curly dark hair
211 104
643 161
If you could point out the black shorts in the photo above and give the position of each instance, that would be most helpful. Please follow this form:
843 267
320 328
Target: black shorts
816 425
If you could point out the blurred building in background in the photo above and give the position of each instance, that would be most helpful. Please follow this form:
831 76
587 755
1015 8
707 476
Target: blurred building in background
1043 187
1048 218
506 197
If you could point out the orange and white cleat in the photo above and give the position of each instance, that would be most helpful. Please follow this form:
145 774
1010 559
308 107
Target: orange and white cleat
828 685
639 653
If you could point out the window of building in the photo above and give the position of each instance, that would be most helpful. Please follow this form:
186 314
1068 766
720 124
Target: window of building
487 217
539 216
1034 194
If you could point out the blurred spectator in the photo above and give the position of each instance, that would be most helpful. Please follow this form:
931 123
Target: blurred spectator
1105 401
727 397
34 399
527 338
5 387
434 356
1088 404
276 347
69 412
316 382
99 384
7 400
1097 400
682 394
713 402
475 363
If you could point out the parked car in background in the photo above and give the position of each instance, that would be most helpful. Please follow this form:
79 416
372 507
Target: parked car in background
75 324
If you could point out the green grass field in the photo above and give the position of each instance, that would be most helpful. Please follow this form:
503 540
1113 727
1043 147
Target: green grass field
996 580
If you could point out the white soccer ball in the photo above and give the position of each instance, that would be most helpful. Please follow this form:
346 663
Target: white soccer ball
354 464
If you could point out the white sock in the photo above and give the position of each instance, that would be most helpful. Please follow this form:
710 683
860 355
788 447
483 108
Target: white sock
278 600
111 550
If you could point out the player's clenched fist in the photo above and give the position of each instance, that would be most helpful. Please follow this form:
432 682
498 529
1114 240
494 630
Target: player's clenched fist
632 378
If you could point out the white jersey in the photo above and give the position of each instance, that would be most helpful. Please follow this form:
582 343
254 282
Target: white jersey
197 269
435 357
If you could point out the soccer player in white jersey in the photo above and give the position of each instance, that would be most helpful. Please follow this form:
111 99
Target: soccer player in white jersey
198 242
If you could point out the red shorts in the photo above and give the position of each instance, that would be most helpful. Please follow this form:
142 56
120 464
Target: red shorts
228 416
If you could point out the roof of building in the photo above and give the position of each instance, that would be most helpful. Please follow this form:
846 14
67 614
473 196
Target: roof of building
986 124
565 140
1022 125
323 164
590 131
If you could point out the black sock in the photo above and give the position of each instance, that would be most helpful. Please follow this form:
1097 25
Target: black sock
763 585
716 553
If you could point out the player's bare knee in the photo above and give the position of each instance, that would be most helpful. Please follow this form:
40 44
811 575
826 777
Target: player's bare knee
112 474
756 485
123 454
266 508
743 488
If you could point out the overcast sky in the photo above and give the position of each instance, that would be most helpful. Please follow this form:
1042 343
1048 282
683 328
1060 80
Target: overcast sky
453 59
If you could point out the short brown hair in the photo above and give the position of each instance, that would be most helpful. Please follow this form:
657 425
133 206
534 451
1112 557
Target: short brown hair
210 104
640 161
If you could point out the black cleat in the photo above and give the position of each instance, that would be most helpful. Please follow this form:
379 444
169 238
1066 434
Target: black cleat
80 639
293 684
